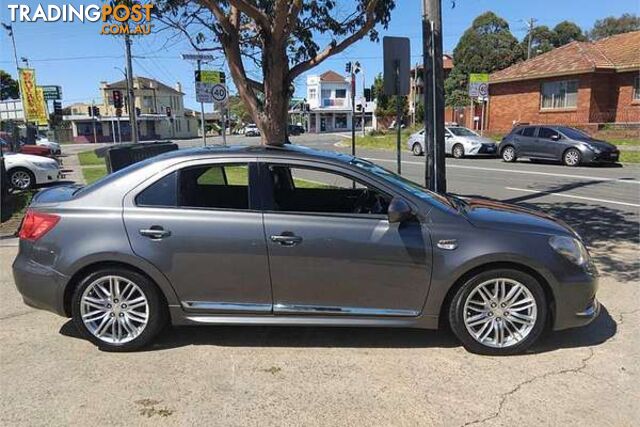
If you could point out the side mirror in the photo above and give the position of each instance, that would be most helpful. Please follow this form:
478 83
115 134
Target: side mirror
447 136
555 137
399 210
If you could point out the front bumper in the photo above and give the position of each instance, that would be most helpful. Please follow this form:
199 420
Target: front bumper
46 175
484 150
576 303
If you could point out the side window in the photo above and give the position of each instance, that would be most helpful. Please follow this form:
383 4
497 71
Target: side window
518 131
302 189
547 133
528 131
162 193
220 186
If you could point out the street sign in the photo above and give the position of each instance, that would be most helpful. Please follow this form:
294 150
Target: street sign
219 93
210 76
197 57
397 58
52 93
479 85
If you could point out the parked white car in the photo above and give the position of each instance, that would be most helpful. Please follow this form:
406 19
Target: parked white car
25 171
251 130
52 145
459 142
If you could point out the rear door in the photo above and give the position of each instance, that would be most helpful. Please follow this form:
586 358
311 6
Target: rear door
199 224
332 249
526 142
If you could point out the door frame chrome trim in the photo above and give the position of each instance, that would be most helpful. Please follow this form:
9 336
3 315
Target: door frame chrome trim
350 311
227 306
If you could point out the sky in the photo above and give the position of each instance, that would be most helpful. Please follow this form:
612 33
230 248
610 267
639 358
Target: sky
76 57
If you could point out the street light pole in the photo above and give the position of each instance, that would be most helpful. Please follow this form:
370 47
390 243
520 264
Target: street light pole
133 122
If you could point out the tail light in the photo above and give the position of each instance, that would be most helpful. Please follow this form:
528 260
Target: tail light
37 224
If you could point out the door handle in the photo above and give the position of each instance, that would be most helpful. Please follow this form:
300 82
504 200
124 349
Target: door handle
155 232
286 239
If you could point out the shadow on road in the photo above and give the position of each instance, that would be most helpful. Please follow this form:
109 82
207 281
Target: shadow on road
603 328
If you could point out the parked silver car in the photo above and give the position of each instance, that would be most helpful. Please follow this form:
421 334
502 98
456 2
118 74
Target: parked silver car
459 142
294 236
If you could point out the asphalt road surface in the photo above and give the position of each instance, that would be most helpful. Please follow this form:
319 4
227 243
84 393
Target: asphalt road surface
346 376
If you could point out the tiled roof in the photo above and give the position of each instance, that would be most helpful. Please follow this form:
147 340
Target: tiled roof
331 76
142 83
620 52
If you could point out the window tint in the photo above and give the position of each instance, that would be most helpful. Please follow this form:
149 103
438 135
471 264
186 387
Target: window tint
528 131
215 186
160 193
300 189
547 133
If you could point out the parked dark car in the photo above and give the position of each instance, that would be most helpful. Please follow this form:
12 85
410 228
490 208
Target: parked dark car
568 145
294 236
295 129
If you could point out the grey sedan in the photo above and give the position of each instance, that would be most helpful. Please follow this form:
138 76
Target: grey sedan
294 236
569 145
459 142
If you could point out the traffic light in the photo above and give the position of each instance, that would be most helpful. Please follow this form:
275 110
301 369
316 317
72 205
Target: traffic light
138 112
348 67
96 111
168 110
89 111
367 94
117 99
359 108
57 108
356 67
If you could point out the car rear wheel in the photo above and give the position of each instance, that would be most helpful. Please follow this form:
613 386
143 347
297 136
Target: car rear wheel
458 151
22 179
118 309
499 312
417 149
572 157
509 154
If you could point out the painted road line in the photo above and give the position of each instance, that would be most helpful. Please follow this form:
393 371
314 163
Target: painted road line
560 175
573 196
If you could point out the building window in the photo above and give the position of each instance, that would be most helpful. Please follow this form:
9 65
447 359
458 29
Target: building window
558 95
147 101
341 93
341 121
313 93
636 88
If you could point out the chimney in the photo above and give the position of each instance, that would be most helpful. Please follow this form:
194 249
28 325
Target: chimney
178 87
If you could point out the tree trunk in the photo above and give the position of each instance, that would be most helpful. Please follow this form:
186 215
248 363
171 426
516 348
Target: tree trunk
273 119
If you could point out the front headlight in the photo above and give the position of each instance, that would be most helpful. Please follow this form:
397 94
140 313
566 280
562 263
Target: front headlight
46 165
594 149
570 248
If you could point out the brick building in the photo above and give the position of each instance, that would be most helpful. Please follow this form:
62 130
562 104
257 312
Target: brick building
584 84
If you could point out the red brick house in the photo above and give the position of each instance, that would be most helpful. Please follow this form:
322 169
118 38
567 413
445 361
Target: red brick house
584 84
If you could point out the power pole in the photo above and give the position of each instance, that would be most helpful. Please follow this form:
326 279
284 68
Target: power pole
133 120
530 25
435 177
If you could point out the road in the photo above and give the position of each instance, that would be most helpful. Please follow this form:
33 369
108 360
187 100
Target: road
345 376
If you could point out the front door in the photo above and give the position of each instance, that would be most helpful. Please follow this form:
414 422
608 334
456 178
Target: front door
550 143
199 227
332 250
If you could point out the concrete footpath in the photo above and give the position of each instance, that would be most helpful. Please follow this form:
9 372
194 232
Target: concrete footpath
315 376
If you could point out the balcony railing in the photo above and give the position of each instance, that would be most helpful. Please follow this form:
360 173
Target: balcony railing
334 102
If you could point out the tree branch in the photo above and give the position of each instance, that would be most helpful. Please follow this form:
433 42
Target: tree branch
335 48
252 12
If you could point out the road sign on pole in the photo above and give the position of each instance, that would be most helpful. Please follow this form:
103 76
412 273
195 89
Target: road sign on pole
479 85
52 93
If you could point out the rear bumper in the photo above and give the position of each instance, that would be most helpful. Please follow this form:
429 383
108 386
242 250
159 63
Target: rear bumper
40 286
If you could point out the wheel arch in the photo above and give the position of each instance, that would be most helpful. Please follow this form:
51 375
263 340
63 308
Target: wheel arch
468 274
167 295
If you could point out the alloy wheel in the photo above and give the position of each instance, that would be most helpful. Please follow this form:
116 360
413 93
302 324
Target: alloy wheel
458 151
417 149
572 157
508 155
20 179
500 313
114 309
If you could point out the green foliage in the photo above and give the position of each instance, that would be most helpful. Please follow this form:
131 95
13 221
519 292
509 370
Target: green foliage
611 25
566 32
542 39
238 109
8 86
386 105
486 46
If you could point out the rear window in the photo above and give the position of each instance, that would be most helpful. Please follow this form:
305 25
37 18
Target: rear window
162 193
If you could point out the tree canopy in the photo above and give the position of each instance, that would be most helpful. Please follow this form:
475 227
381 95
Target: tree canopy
542 40
488 45
611 26
8 86
268 43
566 32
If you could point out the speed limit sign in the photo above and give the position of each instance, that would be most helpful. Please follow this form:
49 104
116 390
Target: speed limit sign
219 93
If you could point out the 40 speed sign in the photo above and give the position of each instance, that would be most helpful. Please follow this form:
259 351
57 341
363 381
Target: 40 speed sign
211 93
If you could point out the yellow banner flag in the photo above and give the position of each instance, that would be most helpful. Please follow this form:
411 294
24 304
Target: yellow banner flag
32 102
43 116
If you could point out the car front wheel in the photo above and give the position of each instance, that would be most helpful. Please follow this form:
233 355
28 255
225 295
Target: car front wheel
458 151
498 312
417 149
118 309
22 179
572 157
509 154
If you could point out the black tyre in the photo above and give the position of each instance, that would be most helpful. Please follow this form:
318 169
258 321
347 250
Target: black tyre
572 157
118 309
457 151
509 154
22 179
499 312
417 149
